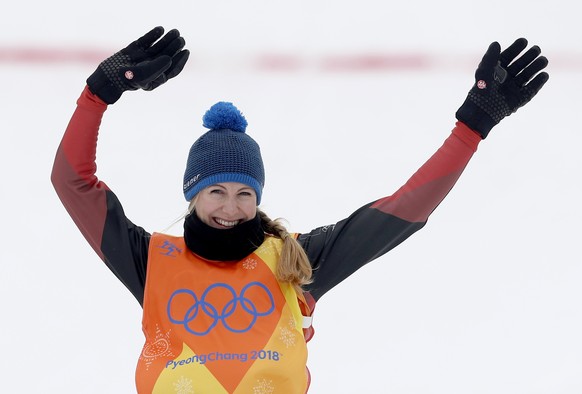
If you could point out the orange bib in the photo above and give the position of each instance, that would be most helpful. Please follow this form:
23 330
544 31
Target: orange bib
215 327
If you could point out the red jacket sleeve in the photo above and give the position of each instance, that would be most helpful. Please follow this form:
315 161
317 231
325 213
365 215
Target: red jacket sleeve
336 251
425 190
91 204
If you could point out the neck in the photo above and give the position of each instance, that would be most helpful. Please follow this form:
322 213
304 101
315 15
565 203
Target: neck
221 245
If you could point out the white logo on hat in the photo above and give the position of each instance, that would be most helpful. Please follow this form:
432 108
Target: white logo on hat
191 181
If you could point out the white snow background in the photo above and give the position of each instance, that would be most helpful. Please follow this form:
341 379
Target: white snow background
485 299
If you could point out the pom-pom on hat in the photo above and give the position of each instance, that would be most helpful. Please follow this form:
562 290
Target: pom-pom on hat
225 153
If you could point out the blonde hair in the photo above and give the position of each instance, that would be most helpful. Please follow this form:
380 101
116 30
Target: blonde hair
294 266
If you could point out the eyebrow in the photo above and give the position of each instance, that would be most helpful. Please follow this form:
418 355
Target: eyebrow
237 190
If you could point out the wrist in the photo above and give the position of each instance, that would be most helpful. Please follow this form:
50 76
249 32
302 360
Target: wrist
91 101
102 87
468 136
472 115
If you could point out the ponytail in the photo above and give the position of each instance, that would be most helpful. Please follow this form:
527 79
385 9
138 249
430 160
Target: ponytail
294 266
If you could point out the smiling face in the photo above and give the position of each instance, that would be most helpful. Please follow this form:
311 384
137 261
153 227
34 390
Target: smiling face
224 205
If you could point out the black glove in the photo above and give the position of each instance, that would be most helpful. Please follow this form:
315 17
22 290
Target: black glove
500 87
140 65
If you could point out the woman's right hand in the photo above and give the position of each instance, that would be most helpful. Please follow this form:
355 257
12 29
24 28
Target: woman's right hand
143 64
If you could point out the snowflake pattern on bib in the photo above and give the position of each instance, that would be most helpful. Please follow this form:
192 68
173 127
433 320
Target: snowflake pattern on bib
159 347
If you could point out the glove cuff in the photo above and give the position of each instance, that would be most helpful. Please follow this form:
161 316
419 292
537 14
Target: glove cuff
106 82
476 118
102 87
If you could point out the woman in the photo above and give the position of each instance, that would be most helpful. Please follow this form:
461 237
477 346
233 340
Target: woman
227 306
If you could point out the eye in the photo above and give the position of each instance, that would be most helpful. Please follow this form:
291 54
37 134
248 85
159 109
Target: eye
245 194
216 191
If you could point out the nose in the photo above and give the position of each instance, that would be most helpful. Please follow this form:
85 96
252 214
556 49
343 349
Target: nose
230 206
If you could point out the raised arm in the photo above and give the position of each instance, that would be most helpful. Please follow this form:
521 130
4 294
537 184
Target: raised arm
91 204
502 85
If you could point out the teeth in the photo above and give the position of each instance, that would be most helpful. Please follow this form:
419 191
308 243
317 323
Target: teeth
226 223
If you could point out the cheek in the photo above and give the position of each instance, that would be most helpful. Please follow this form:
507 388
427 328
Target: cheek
250 210
203 209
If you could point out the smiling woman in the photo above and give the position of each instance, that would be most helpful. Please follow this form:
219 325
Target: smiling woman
224 175
224 180
224 205
227 307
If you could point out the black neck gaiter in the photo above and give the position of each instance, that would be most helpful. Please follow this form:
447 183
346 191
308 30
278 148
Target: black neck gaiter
222 244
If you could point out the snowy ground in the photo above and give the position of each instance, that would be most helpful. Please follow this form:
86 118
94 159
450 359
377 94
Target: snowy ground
485 299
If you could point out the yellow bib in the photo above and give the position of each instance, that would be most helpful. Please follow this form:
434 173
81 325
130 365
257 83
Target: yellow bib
216 327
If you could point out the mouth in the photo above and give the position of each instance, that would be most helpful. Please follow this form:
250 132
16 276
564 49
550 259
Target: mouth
226 223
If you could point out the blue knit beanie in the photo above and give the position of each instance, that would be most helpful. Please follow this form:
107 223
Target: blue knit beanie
225 153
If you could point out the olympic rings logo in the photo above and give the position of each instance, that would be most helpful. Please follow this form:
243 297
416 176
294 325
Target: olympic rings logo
202 306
